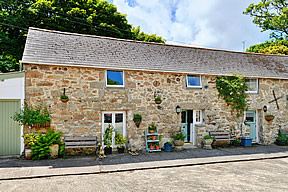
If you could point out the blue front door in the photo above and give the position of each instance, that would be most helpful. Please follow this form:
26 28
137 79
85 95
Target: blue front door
184 124
250 117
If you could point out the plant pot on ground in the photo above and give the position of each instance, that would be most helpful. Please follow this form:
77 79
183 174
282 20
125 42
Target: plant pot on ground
207 141
281 140
168 146
158 100
179 139
152 128
269 117
108 150
237 141
107 139
121 149
137 118
120 141
64 98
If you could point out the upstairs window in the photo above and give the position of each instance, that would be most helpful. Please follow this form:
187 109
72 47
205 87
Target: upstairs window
193 81
114 78
252 85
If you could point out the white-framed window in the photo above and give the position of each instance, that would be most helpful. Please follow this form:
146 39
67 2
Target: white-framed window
252 85
117 119
197 116
193 81
114 78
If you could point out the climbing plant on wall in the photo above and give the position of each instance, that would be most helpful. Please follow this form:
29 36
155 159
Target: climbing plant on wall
233 87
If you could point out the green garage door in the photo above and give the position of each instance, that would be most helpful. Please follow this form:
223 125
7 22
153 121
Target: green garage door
9 129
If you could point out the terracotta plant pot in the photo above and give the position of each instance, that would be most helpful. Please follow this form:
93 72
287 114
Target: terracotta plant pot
229 103
152 147
158 102
64 100
179 142
28 153
157 147
154 137
151 131
269 118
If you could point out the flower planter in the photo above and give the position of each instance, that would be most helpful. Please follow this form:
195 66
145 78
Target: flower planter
246 142
207 143
281 142
179 142
41 125
108 150
229 103
237 144
137 121
64 100
151 131
54 151
154 137
167 147
158 102
28 153
269 118
120 149
157 147
152 147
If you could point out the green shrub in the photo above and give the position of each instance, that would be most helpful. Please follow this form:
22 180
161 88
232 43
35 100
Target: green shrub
41 147
282 138
207 137
179 136
120 140
107 137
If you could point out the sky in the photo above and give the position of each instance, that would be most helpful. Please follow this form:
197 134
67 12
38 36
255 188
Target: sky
216 24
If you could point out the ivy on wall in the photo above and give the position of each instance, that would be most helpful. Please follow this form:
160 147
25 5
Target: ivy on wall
233 88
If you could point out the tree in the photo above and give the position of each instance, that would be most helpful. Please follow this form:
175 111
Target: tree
95 17
270 15
276 46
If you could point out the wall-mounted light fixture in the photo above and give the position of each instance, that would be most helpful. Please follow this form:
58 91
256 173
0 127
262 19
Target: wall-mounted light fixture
178 109
265 108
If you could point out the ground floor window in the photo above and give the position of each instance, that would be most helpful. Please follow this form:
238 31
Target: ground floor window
117 119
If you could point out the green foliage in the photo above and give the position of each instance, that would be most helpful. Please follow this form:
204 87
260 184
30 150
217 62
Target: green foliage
233 87
64 97
269 115
169 143
111 82
152 126
281 138
95 17
229 99
30 115
120 140
137 116
41 147
207 137
179 136
8 63
270 15
30 139
158 99
275 46
107 137
237 140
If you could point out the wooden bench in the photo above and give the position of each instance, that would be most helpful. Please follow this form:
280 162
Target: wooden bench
221 136
80 142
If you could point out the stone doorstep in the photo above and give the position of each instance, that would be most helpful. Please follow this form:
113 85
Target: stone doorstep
48 171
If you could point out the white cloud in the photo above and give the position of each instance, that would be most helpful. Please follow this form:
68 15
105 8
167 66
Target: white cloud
206 23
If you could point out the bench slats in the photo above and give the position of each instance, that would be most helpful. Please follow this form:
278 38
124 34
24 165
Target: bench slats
218 133
80 143
221 137
80 138
79 147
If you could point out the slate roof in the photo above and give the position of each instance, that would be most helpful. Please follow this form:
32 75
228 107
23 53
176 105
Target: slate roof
61 48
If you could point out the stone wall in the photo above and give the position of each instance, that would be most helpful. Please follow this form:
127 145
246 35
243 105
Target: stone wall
82 115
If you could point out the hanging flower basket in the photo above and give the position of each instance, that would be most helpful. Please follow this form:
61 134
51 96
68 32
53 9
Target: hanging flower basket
137 119
41 125
269 117
229 103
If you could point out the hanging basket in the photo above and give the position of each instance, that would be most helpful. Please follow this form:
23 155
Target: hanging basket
269 118
64 100
41 125
229 103
137 121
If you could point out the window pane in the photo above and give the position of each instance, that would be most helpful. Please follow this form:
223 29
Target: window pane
198 116
119 122
249 117
252 84
114 78
183 117
193 80
107 120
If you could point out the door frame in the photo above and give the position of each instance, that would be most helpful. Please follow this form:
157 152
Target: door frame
193 124
113 124
256 124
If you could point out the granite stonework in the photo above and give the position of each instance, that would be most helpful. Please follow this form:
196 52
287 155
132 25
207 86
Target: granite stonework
82 115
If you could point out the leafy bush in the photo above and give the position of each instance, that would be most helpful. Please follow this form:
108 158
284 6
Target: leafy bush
30 139
207 137
41 147
107 137
179 136
119 139
31 115
282 138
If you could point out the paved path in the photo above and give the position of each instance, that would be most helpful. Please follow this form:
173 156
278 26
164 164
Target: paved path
261 175
20 169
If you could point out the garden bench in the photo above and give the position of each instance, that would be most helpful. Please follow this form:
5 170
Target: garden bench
80 142
220 136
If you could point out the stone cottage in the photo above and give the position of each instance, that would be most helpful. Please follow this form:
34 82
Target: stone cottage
108 80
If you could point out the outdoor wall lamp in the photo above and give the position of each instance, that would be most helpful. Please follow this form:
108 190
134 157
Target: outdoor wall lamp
178 109
265 108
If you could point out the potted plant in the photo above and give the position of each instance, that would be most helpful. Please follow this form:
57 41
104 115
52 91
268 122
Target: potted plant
137 118
281 140
237 141
154 137
157 146
64 98
269 117
168 146
152 146
229 100
120 140
29 140
107 139
179 139
246 141
152 128
207 140
158 100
